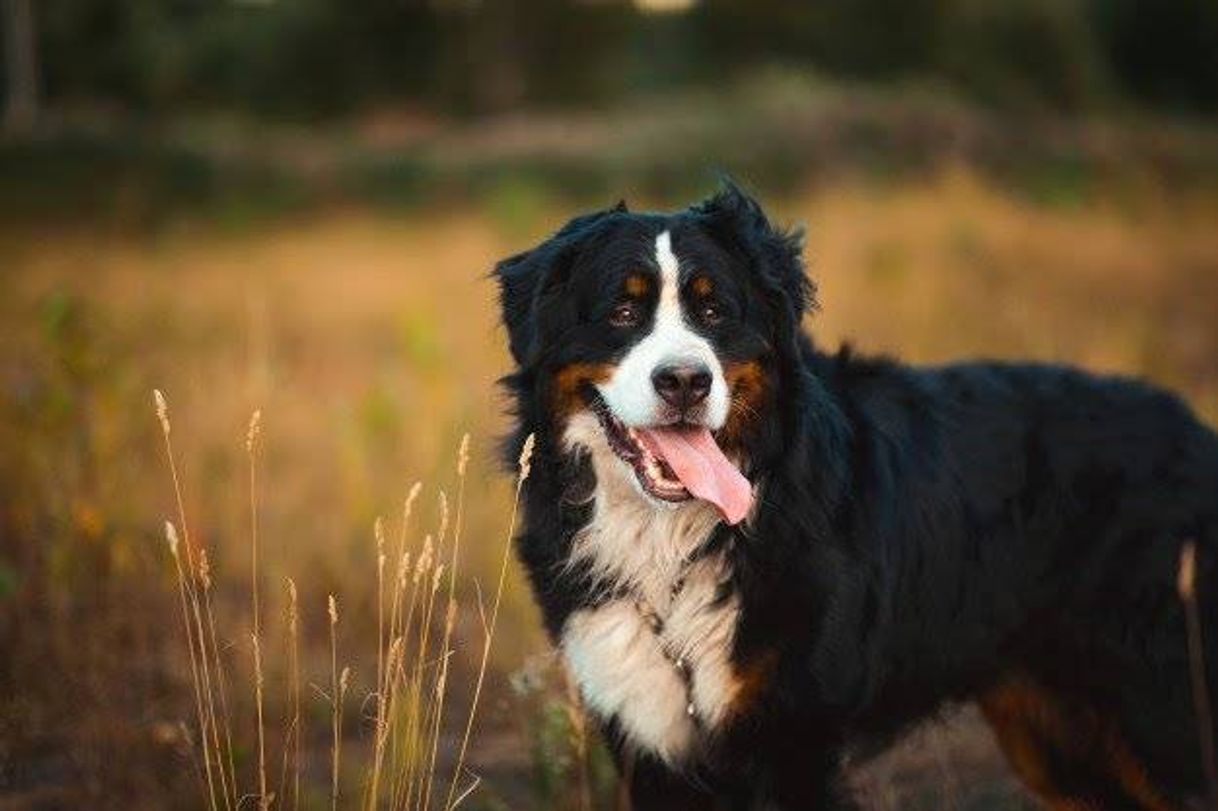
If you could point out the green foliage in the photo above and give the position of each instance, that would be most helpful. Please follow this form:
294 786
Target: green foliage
310 58
515 203
9 580
1162 52
553 753
419 340
1028 54
567 761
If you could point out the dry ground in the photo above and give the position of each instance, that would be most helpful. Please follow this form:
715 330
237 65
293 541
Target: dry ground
371 343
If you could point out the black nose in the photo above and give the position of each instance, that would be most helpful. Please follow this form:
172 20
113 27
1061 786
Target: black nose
682 385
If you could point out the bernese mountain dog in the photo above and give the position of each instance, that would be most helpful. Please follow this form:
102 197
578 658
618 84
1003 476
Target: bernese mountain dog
761 561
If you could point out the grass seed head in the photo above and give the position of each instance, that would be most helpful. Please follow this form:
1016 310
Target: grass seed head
395 651
204 569
403 569
255 429
415 489
293 611
526 457
162 410
423 565
463 455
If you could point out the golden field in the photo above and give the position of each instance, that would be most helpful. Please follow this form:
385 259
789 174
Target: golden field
370 342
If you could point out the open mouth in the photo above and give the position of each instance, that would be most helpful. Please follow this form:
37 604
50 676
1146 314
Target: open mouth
653 471
677 462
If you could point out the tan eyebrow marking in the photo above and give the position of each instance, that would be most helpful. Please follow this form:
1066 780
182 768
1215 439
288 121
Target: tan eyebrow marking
636 284
702 286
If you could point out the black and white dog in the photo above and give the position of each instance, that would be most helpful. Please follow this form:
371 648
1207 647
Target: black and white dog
758 559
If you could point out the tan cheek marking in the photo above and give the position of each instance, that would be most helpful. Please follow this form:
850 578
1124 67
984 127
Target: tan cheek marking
636 285
702 286
570 380
746 384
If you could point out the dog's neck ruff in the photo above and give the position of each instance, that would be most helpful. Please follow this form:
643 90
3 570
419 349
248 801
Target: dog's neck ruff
652 649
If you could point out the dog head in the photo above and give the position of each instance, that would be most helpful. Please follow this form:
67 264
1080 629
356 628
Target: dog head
658 342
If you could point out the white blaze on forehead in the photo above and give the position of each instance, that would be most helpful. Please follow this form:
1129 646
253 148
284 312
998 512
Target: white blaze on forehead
670 279
629 391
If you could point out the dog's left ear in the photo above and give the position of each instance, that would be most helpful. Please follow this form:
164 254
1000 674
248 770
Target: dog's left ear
775 254
525 278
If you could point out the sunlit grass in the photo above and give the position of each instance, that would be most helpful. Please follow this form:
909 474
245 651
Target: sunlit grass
411 675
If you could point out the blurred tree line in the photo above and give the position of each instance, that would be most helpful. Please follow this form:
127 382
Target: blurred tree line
309 58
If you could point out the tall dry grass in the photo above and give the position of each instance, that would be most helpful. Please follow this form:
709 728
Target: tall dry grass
412 658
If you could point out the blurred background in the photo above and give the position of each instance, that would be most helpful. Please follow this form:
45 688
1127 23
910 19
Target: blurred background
292 205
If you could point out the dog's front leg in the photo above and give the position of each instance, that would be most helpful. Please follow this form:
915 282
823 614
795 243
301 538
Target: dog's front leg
653 786
801 780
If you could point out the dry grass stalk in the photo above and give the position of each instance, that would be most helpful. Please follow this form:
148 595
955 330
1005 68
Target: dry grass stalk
450 617
470 789
384 720
264 799
389 680
251 443
525 465
212 650
414 681
291 738
412 659
1186 585
171 536
424 694
382 652
378 533
400 751
441 689
335 704
197 638
403 558
221 679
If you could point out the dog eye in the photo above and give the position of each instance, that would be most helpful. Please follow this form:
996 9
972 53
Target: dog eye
710 314
624 315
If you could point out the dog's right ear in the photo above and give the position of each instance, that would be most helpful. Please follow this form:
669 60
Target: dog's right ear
526 277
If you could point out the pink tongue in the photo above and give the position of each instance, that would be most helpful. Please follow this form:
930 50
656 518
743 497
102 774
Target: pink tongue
703 469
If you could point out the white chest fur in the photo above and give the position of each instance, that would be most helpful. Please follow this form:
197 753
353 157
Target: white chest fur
625 668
